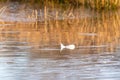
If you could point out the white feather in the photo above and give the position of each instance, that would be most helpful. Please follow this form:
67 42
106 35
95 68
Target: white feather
62 46
70 47
67 47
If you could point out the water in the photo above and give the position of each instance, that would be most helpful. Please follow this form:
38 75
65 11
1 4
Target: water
31 50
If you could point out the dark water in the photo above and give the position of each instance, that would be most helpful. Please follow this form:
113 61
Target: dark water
30 50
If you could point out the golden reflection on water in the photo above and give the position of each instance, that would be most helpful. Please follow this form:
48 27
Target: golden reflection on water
101 32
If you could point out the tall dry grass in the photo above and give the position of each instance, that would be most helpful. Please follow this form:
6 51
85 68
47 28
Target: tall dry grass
94 4
103 4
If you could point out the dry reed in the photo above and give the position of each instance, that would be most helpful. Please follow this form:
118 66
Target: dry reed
94 4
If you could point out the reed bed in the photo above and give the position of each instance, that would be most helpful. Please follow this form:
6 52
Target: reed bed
103 4
93 4
52 26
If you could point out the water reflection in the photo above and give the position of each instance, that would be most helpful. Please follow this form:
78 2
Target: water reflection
100 33
31 50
